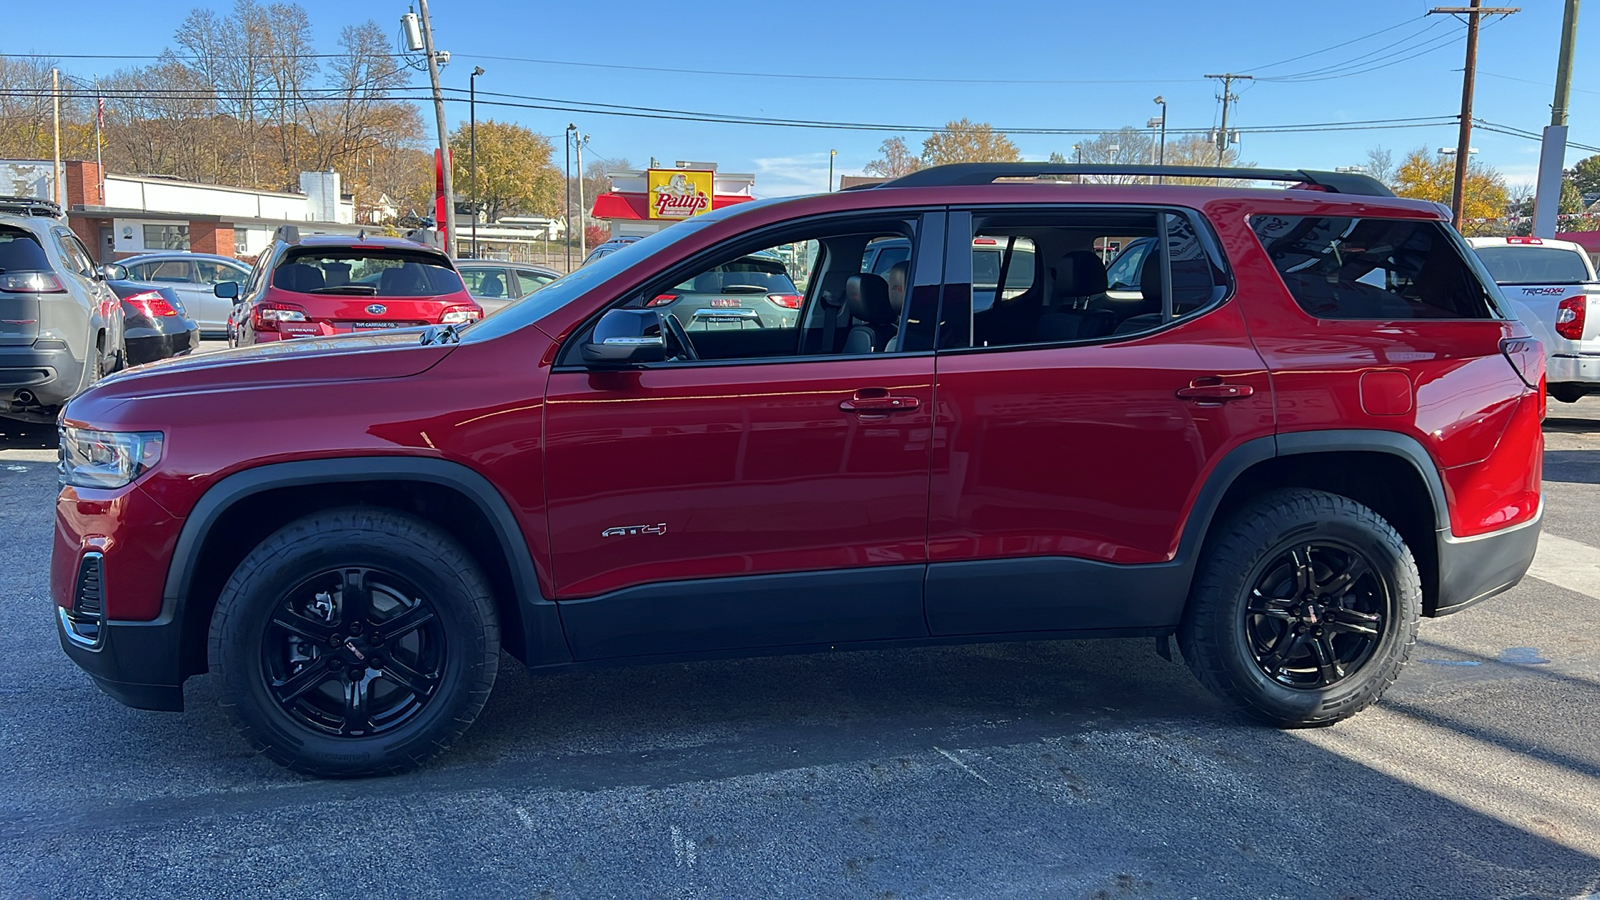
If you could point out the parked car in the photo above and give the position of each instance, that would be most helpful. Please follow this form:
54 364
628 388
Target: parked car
1553 289
609 247
323 285
1315 424
494 284
61 328
195 277
754 291
156 324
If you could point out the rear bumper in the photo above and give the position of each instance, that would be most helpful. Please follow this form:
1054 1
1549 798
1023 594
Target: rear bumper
150 344
52 375
1573 368
1477 568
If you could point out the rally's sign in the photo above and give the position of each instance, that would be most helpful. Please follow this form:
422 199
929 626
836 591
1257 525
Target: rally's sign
679 193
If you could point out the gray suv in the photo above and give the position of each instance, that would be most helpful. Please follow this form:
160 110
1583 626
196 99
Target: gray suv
60 325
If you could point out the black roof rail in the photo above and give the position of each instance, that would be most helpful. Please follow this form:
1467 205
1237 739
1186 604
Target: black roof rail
956 174
29 206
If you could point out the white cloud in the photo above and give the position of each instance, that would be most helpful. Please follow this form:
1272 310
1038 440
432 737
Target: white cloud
788 176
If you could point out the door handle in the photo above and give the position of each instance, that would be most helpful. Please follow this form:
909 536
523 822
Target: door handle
1216 392
879 406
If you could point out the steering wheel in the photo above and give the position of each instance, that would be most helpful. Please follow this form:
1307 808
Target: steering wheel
679 336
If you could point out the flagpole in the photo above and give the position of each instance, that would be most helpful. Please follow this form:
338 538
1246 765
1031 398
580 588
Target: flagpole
99 164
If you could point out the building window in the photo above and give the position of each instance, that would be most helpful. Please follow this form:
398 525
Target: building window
166 237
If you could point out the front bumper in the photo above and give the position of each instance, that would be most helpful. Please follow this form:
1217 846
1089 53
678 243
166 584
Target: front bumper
1569 368
135 662
1477 568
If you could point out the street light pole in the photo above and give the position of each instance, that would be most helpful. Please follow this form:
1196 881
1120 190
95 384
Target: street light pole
1161 154
472 149
583 235
831 155
566 213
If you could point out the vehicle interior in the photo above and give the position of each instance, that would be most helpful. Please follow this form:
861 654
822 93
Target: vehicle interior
366 273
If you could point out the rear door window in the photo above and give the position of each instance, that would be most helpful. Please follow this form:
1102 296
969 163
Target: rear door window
490 283
21 252
1522 264
1375 269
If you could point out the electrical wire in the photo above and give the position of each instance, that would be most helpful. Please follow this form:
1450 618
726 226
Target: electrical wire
1334 47
1365 62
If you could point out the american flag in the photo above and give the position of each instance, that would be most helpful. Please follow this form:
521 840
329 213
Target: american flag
100 111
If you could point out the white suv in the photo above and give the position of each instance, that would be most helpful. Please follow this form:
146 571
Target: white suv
1553 289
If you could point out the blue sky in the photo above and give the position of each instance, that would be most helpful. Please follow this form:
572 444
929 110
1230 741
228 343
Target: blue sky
1130 51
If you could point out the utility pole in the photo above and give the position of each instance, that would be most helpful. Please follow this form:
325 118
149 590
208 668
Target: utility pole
55 93
1553 155
583 236
1228 96
448 227
1474 13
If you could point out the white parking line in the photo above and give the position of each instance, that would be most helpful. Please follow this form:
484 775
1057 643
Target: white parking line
1567 563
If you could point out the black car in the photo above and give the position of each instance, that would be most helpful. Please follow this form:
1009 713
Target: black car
157 324
609 247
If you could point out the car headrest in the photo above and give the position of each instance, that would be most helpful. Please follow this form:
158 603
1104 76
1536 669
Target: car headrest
406 280
902 270
298 277
491 286
868 298
1080 273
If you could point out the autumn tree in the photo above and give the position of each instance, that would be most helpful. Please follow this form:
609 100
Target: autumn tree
594 183
1426 176
897 160
965 141
515 174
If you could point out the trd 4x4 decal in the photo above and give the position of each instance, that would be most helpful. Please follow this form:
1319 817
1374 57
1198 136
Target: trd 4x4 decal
630 530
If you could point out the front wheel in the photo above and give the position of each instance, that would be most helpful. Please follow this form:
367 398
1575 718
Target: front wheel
1305 609
355 642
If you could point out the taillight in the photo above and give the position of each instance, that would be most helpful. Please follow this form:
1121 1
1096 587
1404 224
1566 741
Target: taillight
460 315
30 283
150 304
663 300
1526 356
1524 239
787 301
1569 318
266 315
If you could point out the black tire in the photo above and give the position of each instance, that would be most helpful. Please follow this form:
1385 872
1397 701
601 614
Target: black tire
1566 393
328 598
1273 604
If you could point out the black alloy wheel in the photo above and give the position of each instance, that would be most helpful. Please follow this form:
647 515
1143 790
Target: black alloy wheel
1315 615
353 652
1304 608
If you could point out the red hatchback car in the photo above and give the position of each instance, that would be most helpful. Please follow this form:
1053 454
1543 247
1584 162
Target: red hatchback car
322 285
1310 423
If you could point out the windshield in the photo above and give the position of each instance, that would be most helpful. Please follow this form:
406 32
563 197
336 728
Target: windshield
1534 265
569 287
368 273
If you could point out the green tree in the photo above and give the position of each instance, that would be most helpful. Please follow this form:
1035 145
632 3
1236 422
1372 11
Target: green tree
1425 176
1585 176
965 141
514 170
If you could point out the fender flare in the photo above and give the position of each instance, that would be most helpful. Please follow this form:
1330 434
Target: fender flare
542 636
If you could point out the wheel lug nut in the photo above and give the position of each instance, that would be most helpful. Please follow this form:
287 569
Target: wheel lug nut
335 640
355 627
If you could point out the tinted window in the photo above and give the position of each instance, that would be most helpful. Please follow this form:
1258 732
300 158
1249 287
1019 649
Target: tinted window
394 273
490 283
21 252
888 257
1381 269
1534 265
215 272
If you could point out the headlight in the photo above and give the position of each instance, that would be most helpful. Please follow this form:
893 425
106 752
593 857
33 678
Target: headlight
106 459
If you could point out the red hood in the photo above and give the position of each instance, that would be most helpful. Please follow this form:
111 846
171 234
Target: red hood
355 357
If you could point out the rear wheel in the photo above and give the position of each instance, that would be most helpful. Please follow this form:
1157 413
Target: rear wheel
1305 609
355 642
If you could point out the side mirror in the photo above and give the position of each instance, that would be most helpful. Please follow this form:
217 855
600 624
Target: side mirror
625 337
227 290
113 272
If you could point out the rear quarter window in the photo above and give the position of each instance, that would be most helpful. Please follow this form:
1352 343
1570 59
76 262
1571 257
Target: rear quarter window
21 252
1373 268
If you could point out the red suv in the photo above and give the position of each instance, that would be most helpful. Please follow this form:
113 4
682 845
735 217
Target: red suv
1310 422
324 285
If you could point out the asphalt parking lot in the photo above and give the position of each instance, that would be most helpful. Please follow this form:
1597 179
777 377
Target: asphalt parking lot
1065 769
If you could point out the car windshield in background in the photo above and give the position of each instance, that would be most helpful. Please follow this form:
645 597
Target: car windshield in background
366 273
1534 265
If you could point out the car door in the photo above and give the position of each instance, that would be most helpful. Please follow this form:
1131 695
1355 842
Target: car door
741 502
1063 470
201 297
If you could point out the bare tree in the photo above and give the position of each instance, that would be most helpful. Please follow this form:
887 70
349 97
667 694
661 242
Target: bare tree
1380 165
897 160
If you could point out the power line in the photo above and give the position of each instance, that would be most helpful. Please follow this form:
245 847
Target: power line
1337 46
1543 84
1360 65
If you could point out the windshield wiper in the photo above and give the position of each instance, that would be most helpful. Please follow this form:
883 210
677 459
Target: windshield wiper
369 290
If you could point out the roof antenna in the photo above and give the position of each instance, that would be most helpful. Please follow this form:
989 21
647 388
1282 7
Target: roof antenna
362 236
